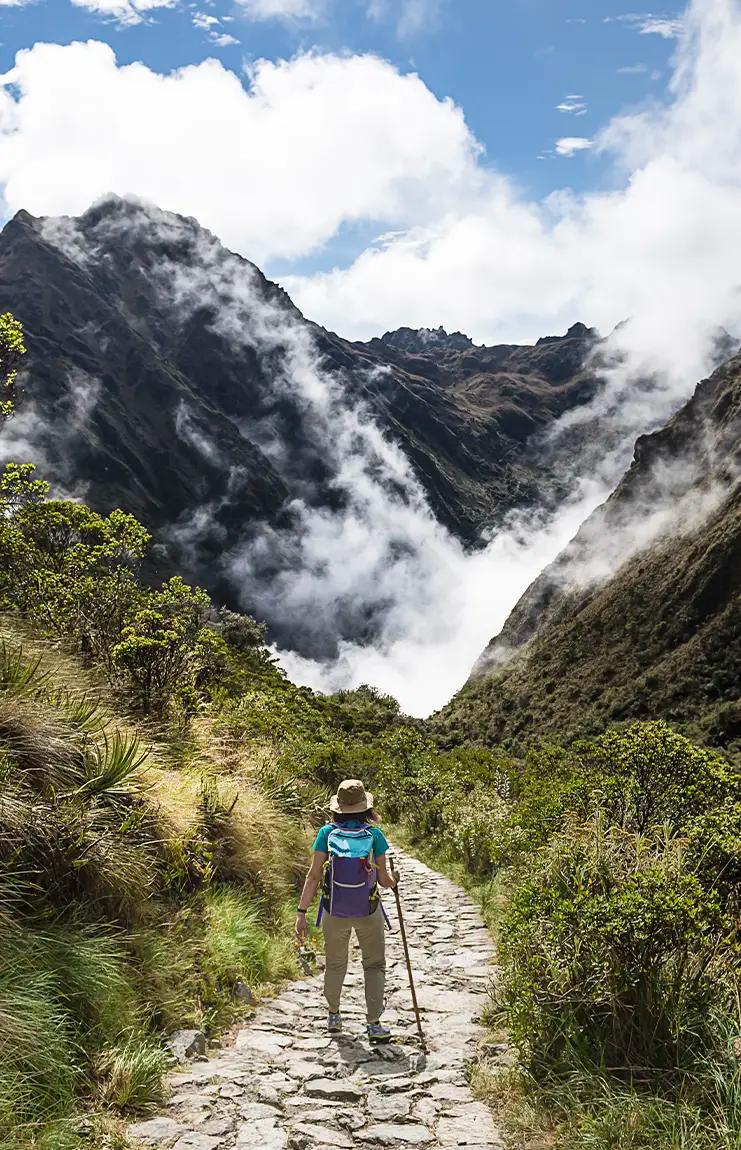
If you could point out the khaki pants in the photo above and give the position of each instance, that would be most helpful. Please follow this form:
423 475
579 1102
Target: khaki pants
370 934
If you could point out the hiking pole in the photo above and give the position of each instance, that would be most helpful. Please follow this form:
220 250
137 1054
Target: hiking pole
404 943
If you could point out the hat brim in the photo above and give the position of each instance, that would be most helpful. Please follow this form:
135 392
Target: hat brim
354 808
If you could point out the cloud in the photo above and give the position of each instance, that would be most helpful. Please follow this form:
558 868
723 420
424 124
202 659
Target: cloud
412 17
289 10
573 105
667 29
320 142
275 168
632 70
51 439
124 11
211 26
649 24
570 145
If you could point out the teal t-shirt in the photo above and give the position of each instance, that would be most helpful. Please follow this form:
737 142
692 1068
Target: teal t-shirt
380 842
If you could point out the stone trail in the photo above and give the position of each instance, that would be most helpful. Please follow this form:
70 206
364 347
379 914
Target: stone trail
286 1085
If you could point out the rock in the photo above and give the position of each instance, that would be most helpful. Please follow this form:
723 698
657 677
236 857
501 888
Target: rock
471 1129
187 1043
194 1141
262 1134
393 1134
242 993
446 1092
262 1041
338 1091
157 1131
324 1134
388 1107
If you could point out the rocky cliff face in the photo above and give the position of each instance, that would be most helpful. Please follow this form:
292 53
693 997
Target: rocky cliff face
168 376
640 616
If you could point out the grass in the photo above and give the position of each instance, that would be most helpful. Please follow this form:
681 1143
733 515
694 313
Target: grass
137 886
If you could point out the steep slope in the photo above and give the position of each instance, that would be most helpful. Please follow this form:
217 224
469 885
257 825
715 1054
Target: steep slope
659 637
146 384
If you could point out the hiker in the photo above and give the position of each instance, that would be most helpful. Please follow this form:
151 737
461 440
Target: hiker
349 863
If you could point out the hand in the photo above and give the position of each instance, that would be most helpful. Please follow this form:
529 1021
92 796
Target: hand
302 927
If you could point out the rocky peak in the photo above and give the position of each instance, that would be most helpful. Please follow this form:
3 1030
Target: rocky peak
424 340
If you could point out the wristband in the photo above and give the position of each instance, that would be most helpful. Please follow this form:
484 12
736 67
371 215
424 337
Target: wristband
300 911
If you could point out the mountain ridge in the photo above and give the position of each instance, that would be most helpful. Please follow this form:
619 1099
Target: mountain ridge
140 390
648 626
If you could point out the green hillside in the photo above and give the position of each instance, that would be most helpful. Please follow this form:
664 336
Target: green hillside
661 638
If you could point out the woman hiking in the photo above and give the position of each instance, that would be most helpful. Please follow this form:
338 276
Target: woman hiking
350 863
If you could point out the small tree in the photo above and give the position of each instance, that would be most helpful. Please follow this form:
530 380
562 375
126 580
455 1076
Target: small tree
12 348
156 653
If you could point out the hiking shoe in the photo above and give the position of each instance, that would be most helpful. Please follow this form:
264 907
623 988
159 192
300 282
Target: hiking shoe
334 1023
378 1033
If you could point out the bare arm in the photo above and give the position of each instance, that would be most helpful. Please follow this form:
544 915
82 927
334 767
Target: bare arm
385 877
311 886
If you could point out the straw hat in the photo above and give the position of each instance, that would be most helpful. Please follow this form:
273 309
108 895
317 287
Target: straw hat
351 798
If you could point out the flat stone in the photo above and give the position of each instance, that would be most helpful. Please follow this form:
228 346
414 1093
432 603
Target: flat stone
393 1134
446 1092
325 1135
388 1107
263 1041
470 1130
157 1131
194 1141
231 1090
218 1126
262 1135
339 1091
254 1110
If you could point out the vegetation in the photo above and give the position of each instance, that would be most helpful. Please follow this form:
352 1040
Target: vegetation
12 347
661 637
616 861
160 778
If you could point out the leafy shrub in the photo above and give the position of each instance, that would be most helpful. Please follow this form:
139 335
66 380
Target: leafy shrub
612 953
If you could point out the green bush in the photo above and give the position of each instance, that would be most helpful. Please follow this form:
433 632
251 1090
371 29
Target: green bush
613 954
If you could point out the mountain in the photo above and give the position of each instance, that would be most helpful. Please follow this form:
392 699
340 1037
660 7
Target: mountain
640 616
169 376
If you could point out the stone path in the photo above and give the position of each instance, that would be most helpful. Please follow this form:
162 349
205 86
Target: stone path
286 1085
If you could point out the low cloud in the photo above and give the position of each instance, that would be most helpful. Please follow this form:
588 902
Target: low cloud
570 145
50 439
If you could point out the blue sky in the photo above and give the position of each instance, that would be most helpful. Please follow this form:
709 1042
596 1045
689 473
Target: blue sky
508 64
503 167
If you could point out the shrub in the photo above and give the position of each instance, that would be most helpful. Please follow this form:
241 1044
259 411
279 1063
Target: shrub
612 954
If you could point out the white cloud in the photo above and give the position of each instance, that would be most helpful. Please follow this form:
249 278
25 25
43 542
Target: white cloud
283 9
319 142
124 11
275 170
573 105
570 145
632 70
210 25
649 24
667 29
204 20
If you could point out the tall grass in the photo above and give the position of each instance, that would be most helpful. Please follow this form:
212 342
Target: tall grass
132 899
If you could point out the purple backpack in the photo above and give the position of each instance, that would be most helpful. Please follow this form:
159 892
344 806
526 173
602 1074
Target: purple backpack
350 874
